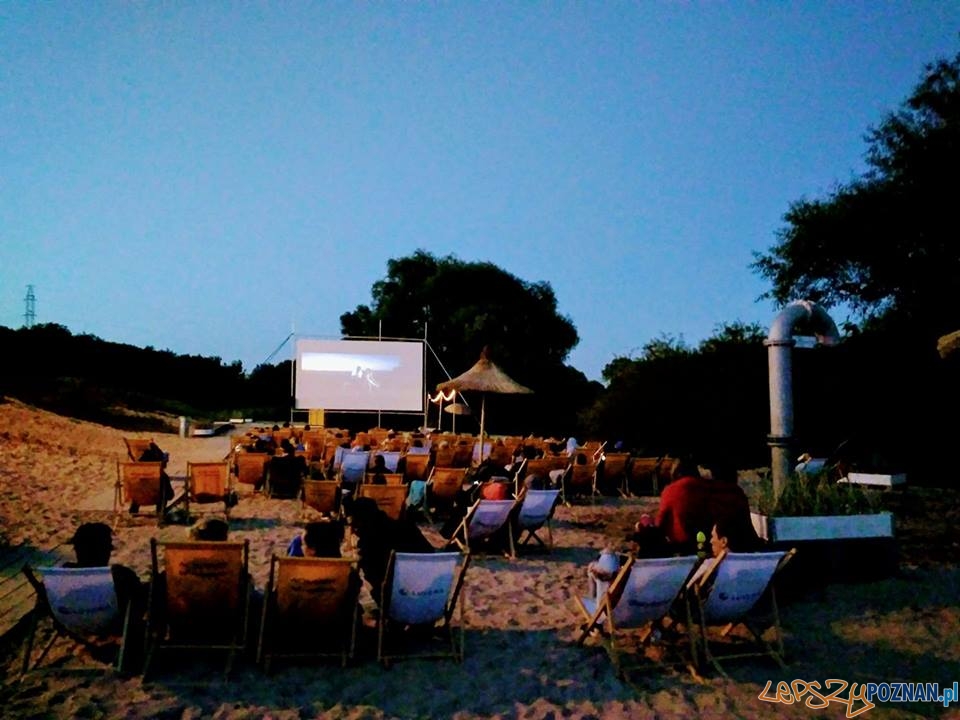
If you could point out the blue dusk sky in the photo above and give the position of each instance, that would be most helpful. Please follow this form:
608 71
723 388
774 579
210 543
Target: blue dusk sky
205 177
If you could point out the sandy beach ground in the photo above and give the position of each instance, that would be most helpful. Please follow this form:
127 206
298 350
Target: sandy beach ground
521 661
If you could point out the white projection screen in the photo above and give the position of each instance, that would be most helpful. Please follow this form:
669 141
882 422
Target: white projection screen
359 375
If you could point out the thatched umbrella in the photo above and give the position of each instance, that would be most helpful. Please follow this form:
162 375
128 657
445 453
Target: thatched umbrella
948 344
484 377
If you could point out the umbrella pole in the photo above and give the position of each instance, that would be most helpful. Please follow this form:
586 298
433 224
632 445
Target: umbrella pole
483 415
440 416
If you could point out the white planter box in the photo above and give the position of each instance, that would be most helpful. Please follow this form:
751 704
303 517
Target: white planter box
875 479
826 527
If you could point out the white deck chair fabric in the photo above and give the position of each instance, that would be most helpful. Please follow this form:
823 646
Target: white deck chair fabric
487 447
421 586
488 517
648 593
354 466
536 508
390 460
83 600
738 583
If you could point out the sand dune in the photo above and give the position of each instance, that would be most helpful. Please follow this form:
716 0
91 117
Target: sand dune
520 659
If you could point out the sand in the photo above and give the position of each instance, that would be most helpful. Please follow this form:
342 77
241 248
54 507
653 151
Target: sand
521 661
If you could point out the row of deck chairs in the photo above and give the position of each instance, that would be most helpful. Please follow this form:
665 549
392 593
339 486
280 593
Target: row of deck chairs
207 485
650 598
310 608
203 604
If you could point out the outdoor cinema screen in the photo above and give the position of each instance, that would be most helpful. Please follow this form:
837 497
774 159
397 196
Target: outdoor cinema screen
360 375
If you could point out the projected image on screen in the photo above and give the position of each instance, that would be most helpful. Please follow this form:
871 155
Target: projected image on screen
360 375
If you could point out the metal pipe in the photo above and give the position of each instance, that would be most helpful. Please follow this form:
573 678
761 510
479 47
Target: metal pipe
780 342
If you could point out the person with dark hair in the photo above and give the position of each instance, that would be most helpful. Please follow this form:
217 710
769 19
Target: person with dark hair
685 507
379 471
211 529
93 544
285 473
153 453
318 539
377 535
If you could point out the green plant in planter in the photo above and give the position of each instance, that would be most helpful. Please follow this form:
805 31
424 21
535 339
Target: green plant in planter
816 495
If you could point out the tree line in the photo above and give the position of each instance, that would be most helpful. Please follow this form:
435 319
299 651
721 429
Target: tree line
881 248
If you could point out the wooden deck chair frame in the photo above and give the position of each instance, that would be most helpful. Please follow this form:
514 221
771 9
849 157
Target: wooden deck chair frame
615 466
718 600
194 598
138 482
136 447
412 596
484 519
78 603
323 496
391 478
442 487
310 610
251 467
389 498
643 470
638 600
416 467
579 477
208 483
535 513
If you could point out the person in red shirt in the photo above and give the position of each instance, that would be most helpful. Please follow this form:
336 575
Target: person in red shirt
685 507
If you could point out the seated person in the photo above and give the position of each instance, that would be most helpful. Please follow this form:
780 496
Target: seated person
213 529
685 507
153 453
93 544
379 471
286 472
318 539
724 536
377 535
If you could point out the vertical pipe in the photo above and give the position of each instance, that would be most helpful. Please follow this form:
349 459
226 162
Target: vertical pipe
780 345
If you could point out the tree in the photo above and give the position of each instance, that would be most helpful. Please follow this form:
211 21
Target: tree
466 306
884 245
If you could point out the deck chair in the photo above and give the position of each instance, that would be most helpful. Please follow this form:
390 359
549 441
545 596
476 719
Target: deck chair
483 520
138 482
251 467
390 478
417 605
637 600
642 474
310 610
738 591
353 466
442 488
487 448
615 471
535 513
82 605
390 459
463 453
416 467
322 496
136 446
208 483
202 602
579 480
389 498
